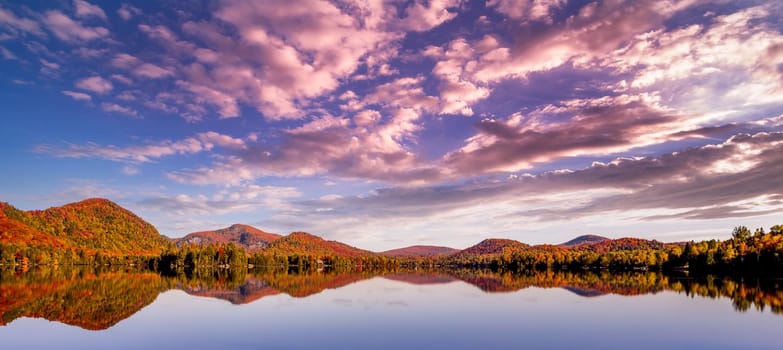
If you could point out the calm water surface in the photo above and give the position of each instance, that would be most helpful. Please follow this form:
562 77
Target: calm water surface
360 310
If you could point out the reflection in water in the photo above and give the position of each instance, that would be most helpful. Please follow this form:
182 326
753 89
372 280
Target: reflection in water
85 298
97 299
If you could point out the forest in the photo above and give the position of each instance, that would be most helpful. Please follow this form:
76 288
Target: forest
758 252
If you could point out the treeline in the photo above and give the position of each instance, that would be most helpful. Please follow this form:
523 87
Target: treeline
231 255
757 251
747 252
25 256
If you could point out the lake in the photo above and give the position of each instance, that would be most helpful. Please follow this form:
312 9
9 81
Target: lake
444 309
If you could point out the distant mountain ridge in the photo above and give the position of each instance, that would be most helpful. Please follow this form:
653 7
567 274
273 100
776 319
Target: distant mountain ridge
419 250
246 236
100 225
584 239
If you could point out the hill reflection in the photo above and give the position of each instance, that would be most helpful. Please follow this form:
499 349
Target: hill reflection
97 299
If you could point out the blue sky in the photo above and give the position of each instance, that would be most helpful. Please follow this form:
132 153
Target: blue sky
384 124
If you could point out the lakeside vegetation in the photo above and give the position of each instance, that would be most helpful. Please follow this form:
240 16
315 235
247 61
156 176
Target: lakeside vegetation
747 251
99 232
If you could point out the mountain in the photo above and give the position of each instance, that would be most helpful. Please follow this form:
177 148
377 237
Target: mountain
248 237
493 246
621 244
303 243
419 250
93 225
584 239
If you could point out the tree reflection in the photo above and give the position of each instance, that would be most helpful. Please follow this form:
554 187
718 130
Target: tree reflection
99 298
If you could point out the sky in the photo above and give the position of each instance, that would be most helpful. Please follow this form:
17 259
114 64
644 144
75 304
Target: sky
384 124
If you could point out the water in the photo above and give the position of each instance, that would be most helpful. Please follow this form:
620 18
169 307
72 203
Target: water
459 309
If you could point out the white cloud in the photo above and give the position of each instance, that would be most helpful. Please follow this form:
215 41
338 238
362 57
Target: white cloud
79 96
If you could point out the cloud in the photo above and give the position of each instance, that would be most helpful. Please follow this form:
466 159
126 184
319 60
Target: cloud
288 54
530 10
300 51
595 31
211 138
374 150
728 64
115 108
66 29
8 55
124 60
95 84
683 182
130 170
49 65
697 180
586 127
230 200
126 12
422 16
149 70
85 9
78 96
10 21
144 153
226 104
403 93
122 79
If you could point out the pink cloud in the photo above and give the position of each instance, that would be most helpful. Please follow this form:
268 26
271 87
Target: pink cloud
95 84
627 188
226 104
595 32
291 54
211 138
115 108
403 93
126 12
692 64
78 96
122 79
49 65
124 60
422 16
85 9
149 70
528 10
69 30
9 20
599 126
457 92
368 149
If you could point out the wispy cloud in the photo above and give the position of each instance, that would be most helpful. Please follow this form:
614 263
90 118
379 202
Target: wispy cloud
79 96
66 29
144 153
